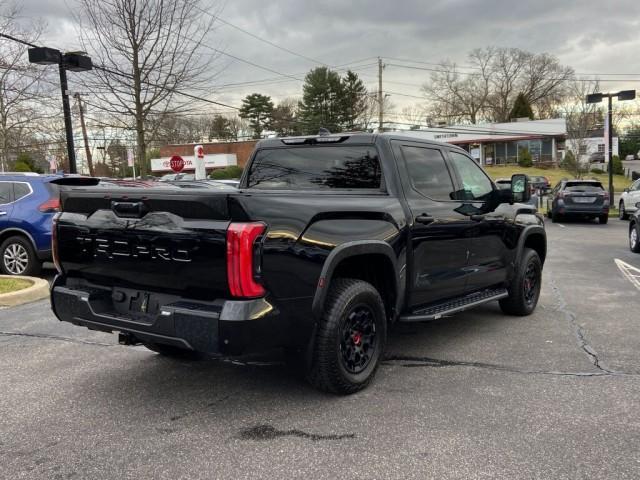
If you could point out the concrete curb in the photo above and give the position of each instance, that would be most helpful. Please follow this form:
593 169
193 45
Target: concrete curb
38 290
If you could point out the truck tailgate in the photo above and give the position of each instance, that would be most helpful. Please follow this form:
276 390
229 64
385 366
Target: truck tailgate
166 240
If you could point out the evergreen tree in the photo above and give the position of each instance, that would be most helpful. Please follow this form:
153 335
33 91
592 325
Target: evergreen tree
354 101
258 110
321 104
521 108
285 122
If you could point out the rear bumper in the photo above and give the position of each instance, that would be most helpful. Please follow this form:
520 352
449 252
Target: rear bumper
216 327
582 209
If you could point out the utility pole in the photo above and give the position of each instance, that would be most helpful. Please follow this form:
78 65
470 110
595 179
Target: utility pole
380 96
84 135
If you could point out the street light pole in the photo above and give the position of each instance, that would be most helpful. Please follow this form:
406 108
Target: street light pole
74 61
68 127
610 147
597 98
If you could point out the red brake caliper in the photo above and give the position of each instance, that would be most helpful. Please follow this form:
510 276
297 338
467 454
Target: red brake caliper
356 337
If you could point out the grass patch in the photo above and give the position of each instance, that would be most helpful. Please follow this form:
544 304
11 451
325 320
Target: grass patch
12 284
620 182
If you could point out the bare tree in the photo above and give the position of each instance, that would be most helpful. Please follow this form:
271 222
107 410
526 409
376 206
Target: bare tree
582 118
462 94
23 87
414 115
145 51
487 87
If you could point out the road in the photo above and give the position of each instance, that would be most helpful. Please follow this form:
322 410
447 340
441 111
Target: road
477 396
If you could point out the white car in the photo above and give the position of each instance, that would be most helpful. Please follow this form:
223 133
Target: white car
628 200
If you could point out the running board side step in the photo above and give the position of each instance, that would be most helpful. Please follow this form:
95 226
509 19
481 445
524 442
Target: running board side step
439 310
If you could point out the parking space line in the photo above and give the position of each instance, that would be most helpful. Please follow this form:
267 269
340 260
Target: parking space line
630 272
560 225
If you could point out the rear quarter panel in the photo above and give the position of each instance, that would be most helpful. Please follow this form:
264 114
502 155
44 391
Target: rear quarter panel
304 228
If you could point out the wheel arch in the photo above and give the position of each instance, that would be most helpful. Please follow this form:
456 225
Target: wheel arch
17 232
534 237
370 260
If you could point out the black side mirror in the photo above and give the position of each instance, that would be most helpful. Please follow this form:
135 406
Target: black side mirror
626 190
520 191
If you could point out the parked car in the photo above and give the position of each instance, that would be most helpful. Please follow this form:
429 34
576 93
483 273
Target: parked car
634 231
328 241
540 183
174 177
27 205
628 200
584 198
503 183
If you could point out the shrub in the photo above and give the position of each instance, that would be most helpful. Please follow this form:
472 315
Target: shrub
21 166
597 171
226 173
524 158
618 168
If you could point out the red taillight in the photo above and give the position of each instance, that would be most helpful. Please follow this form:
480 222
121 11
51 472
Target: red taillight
50 206
606 195
241 267
54 244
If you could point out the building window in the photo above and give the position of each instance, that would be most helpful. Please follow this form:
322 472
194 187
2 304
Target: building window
601 148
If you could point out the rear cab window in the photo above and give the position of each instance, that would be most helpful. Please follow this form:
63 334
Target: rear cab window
344 167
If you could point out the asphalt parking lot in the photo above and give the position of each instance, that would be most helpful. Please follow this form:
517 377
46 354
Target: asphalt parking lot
480 395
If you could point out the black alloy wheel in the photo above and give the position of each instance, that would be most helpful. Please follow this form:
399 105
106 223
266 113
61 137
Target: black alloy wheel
358 339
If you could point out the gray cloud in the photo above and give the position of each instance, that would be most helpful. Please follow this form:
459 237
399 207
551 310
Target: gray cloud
591 36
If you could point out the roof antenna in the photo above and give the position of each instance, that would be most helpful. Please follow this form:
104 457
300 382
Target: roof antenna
323 131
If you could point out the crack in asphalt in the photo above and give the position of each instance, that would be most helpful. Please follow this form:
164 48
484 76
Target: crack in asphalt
578 331
268 432
56 337
438 363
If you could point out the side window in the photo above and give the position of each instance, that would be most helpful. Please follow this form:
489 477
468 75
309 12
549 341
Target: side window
428 172
6 192
475 183
635 186
20 190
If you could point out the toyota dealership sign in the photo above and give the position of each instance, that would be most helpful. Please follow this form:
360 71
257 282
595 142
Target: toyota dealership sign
220 160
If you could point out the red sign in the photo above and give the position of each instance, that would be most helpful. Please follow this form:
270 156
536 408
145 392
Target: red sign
200 151
176 163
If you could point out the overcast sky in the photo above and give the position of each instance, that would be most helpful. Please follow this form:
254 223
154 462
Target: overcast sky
594 37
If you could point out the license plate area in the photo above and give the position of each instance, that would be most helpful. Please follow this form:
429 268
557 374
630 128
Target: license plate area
584 199
138 305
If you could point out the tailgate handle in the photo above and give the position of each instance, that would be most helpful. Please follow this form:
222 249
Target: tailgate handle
129 209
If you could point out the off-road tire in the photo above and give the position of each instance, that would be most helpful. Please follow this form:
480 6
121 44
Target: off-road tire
15 244
516 303
327 371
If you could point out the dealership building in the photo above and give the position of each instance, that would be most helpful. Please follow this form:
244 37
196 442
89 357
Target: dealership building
501 143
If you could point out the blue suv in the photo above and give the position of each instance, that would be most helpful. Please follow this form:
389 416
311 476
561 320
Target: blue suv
28 203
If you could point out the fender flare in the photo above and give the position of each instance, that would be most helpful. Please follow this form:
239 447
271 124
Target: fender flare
24 233
526 233
347 250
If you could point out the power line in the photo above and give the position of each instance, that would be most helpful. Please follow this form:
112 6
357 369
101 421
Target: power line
264 40
473 74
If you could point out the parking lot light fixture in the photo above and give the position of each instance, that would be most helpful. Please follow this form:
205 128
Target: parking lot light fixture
597 98
75 62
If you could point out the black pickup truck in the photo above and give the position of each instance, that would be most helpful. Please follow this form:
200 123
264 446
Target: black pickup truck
328 241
